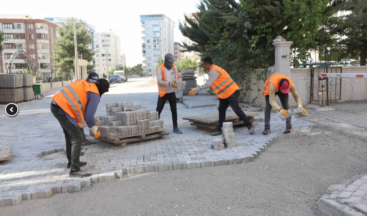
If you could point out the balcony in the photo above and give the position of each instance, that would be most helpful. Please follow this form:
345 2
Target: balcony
45 70
42 30
13 30
13 50
43 60
43 41
44 50
17 41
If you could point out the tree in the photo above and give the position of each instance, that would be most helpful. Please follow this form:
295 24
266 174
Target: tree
351 28
1 41
111 71
119 67
90 68
137 69
187 63
65 52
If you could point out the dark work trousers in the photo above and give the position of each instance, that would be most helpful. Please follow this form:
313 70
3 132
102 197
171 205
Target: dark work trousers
284 99
233 101
171 97
73 138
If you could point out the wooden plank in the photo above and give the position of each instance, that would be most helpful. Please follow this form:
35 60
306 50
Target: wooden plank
6 153
212 118
125 141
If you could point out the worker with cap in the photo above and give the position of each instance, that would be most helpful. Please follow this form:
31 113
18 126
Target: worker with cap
167 75
72 106
281 85
92 78
226 90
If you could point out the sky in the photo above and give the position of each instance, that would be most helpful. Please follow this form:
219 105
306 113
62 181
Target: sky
121 16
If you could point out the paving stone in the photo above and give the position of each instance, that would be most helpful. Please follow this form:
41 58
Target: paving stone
345 195
164 167
106 177
151 167
11 200
42 193
193 164
179 165
137 169
220 162
351 188
206 163
362 208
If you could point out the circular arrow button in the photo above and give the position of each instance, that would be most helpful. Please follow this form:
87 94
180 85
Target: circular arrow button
11 110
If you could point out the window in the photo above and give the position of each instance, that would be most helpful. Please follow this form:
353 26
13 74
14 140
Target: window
148 41
156 46
148 46
149 64
143 46
157 52
148 29
97 55
149 58
19 26
148 23
148 34
156 28
155 23
31 46
18 36
105 45
142 22
157 34
7 26
8 36
97 46
149 53
30 36
32 56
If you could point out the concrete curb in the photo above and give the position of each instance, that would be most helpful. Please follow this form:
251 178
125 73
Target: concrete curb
71 185
328 207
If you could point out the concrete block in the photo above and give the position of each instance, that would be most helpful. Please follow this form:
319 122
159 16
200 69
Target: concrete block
113 136
94 179
206 163
220 162
11 80
100 123
12 200
217 146
153 116
164 167
137 169
26 194
193 164
231 145
27 80
111 105
109 118
105 130
71 187
114 123
217 141
248 159
151 167
228 125
11 95
179 165
106 177
28 94
42 193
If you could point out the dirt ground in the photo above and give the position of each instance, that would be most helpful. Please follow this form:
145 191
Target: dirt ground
287 179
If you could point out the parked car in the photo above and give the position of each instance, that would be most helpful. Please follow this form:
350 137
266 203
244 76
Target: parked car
115 79
122 75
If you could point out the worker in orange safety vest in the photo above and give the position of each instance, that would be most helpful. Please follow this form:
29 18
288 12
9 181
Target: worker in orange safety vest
226 90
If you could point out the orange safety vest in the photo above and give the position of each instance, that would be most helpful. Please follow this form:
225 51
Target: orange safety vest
73 99
224 86
162 90
275 80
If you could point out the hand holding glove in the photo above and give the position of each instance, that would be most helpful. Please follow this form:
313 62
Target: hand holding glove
283 112
304 110
95 131
192 92
173 84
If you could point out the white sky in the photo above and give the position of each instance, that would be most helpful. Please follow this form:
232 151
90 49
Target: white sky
121 16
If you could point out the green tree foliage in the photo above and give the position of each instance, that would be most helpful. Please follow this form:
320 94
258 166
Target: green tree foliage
238 35
1 41
351 28
119 67
136 70
111 71
187 63
90 68
65 52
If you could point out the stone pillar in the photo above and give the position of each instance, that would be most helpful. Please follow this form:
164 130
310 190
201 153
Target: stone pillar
282 52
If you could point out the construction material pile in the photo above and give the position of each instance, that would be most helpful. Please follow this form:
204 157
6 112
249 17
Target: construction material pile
15 88
226 140
126 122
180 88
188 75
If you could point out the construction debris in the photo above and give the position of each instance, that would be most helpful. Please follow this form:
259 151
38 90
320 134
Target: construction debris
127 123
210 122
6 152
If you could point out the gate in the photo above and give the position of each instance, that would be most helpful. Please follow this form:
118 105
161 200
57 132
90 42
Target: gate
331 85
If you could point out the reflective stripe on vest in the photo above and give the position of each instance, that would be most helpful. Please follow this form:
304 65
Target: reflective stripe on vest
71 102
162 90
267 83
225 82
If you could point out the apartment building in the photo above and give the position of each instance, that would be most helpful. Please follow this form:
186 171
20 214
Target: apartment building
123 60
178 54
192 55
107 52
157 40
35 36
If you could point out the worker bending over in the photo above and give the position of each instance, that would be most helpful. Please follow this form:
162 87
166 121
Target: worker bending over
167 75
72 106
281 85
226 90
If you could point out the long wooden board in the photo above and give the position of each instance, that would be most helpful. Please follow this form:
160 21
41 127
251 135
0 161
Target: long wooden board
6 153
212 118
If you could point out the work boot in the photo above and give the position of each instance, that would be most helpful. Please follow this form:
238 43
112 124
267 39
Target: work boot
216 133
288 130
177 131
85 142
78 173
251 129
266 131
81 164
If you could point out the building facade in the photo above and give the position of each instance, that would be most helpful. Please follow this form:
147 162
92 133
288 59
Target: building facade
178 54
107 52
123 60
35 36
157 40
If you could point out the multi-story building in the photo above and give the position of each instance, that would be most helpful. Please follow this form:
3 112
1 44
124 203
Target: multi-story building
178 54
192 55
35 36
107 52
157 40
123 60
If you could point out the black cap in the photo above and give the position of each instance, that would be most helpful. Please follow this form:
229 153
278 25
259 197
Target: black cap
93 77
169 57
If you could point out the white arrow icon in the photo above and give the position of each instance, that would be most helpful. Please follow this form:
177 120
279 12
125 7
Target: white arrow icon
11 109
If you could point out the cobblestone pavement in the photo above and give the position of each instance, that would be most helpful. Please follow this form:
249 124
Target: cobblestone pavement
36 136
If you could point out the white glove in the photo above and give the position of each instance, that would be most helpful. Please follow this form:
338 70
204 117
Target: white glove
300 107
94 129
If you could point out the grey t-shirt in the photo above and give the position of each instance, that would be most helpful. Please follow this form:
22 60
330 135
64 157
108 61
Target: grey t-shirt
170 76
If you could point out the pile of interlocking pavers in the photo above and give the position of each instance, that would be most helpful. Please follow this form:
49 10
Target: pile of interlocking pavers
189 77
180 88
15 88
226 140
126 120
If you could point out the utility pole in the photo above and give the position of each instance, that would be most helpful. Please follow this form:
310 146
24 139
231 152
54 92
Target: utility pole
76 51
107 63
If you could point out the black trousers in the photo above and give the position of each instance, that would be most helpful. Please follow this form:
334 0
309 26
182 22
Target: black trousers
284 99
73 137
171 97
233 101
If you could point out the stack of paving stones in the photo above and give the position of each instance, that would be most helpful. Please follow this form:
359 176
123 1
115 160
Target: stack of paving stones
218 143
125 120
180 88
11 88
228 134
188 76
28 93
